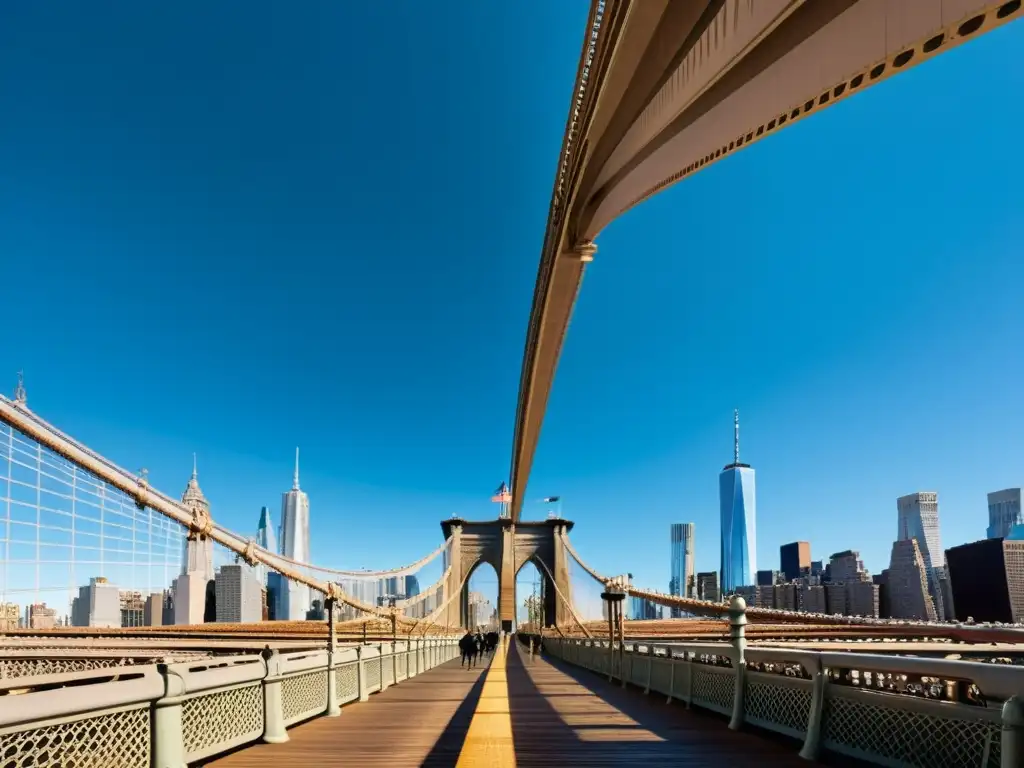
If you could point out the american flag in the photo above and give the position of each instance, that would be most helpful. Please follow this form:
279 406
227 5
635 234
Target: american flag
502 496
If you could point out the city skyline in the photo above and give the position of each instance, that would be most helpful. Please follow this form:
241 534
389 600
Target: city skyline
918 525
318 282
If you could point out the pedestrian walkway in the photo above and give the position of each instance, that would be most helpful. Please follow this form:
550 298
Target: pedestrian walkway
419 722
517 712
560 715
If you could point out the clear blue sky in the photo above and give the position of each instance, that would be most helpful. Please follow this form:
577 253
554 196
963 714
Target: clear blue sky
236 232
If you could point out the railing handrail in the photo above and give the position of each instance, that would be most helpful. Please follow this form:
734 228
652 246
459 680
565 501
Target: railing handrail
999 681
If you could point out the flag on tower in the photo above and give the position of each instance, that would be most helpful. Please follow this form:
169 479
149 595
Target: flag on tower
502 496
551 499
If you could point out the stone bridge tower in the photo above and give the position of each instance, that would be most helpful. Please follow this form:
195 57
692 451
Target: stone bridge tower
508 546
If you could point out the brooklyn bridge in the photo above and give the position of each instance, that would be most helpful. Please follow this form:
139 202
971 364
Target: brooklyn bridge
663 90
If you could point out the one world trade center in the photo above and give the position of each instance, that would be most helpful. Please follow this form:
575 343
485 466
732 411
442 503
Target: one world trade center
738 509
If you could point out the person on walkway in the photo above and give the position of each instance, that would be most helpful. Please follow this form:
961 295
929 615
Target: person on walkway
481 645
468 647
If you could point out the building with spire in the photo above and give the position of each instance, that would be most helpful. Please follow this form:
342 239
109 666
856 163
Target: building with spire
737 503
295 546
196 561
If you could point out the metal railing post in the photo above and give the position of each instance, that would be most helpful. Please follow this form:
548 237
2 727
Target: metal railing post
813 739
333 708
274 731
738 637
650 667
361 673
1012 736
168 737
394 646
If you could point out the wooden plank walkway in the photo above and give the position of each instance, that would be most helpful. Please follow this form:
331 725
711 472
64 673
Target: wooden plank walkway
518 713
419 722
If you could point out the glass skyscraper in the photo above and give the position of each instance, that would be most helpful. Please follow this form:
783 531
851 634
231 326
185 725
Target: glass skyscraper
738 515
918 519
682 582
295 545
1004 512
266 538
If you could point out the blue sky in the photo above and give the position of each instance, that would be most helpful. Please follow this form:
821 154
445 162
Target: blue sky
319 226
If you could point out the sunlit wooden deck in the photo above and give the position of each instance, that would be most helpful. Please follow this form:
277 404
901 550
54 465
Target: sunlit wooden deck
516 712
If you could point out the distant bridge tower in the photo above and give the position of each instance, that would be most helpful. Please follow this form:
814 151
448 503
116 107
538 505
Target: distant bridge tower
508 546
197 560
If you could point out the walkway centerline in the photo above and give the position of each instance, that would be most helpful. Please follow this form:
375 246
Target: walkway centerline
489 740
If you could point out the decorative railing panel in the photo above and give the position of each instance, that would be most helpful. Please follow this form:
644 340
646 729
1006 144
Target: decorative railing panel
216 722
303 696
373 675
778 703
713 687
346 680
41 665
117 739
661 676
902 731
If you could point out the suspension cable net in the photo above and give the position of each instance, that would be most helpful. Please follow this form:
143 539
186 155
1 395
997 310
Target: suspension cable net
565 599
61 528
586 598
75 525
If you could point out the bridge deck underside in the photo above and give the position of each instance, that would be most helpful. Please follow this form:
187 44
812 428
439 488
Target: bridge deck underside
560 715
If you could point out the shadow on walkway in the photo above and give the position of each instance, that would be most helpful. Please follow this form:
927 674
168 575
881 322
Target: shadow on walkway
581 718
445 752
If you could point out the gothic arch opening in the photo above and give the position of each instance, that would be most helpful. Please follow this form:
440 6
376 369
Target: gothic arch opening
532 590
480 597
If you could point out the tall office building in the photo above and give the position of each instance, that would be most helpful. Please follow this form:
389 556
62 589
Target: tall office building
987 580
295 544
918 519
707 586
682 582
907 583
266 538
239 594
1004 512
795 559
738 515
846 567
97 605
